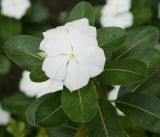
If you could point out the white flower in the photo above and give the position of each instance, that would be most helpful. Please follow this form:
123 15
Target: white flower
4 117
32 89
116 13
113 96
14 8
73 55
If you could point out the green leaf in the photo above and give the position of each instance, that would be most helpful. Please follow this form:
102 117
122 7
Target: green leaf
82 10
16 103
62 131
142 17
46 111
9 27
142 109
135 133
128 124
150 85
123 72
111 38
5 65
153 59
106 123
80 106
139 43
38 75
23 51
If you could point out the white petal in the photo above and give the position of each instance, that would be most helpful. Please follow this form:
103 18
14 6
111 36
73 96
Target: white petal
116 6
82 41
14 8
77 24
55 68
28 87
52 86
81 25
93 60
113 96
56 42
77 77
122 20
81 34
32 89
4 117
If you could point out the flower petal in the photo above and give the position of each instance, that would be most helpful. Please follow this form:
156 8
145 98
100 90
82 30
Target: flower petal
116 6
55 68
77 77
81 41
81 34
122 20
56 42
52 86
93 60
33 89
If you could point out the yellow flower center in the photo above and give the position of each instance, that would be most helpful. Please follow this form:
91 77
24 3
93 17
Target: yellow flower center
72 55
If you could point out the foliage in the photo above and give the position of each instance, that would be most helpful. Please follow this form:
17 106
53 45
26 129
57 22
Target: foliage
133 62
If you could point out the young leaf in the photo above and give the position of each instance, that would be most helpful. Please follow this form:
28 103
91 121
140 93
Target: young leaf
23 51
46 111
106 123
81 132
80 106
139 42
142 109
82 10
123 72
111 38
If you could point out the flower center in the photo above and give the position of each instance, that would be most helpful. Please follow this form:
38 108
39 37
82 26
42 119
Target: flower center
72 56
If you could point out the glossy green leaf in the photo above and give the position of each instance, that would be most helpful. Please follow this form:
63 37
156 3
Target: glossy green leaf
16 103
5 65
149 86
23 51
46 111
139 43
111 38
123 72
106 123
142 109
153 59
38 75
80 106
82 10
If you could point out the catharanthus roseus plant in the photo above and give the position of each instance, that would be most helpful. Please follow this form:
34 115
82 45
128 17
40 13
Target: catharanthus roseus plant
74 67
